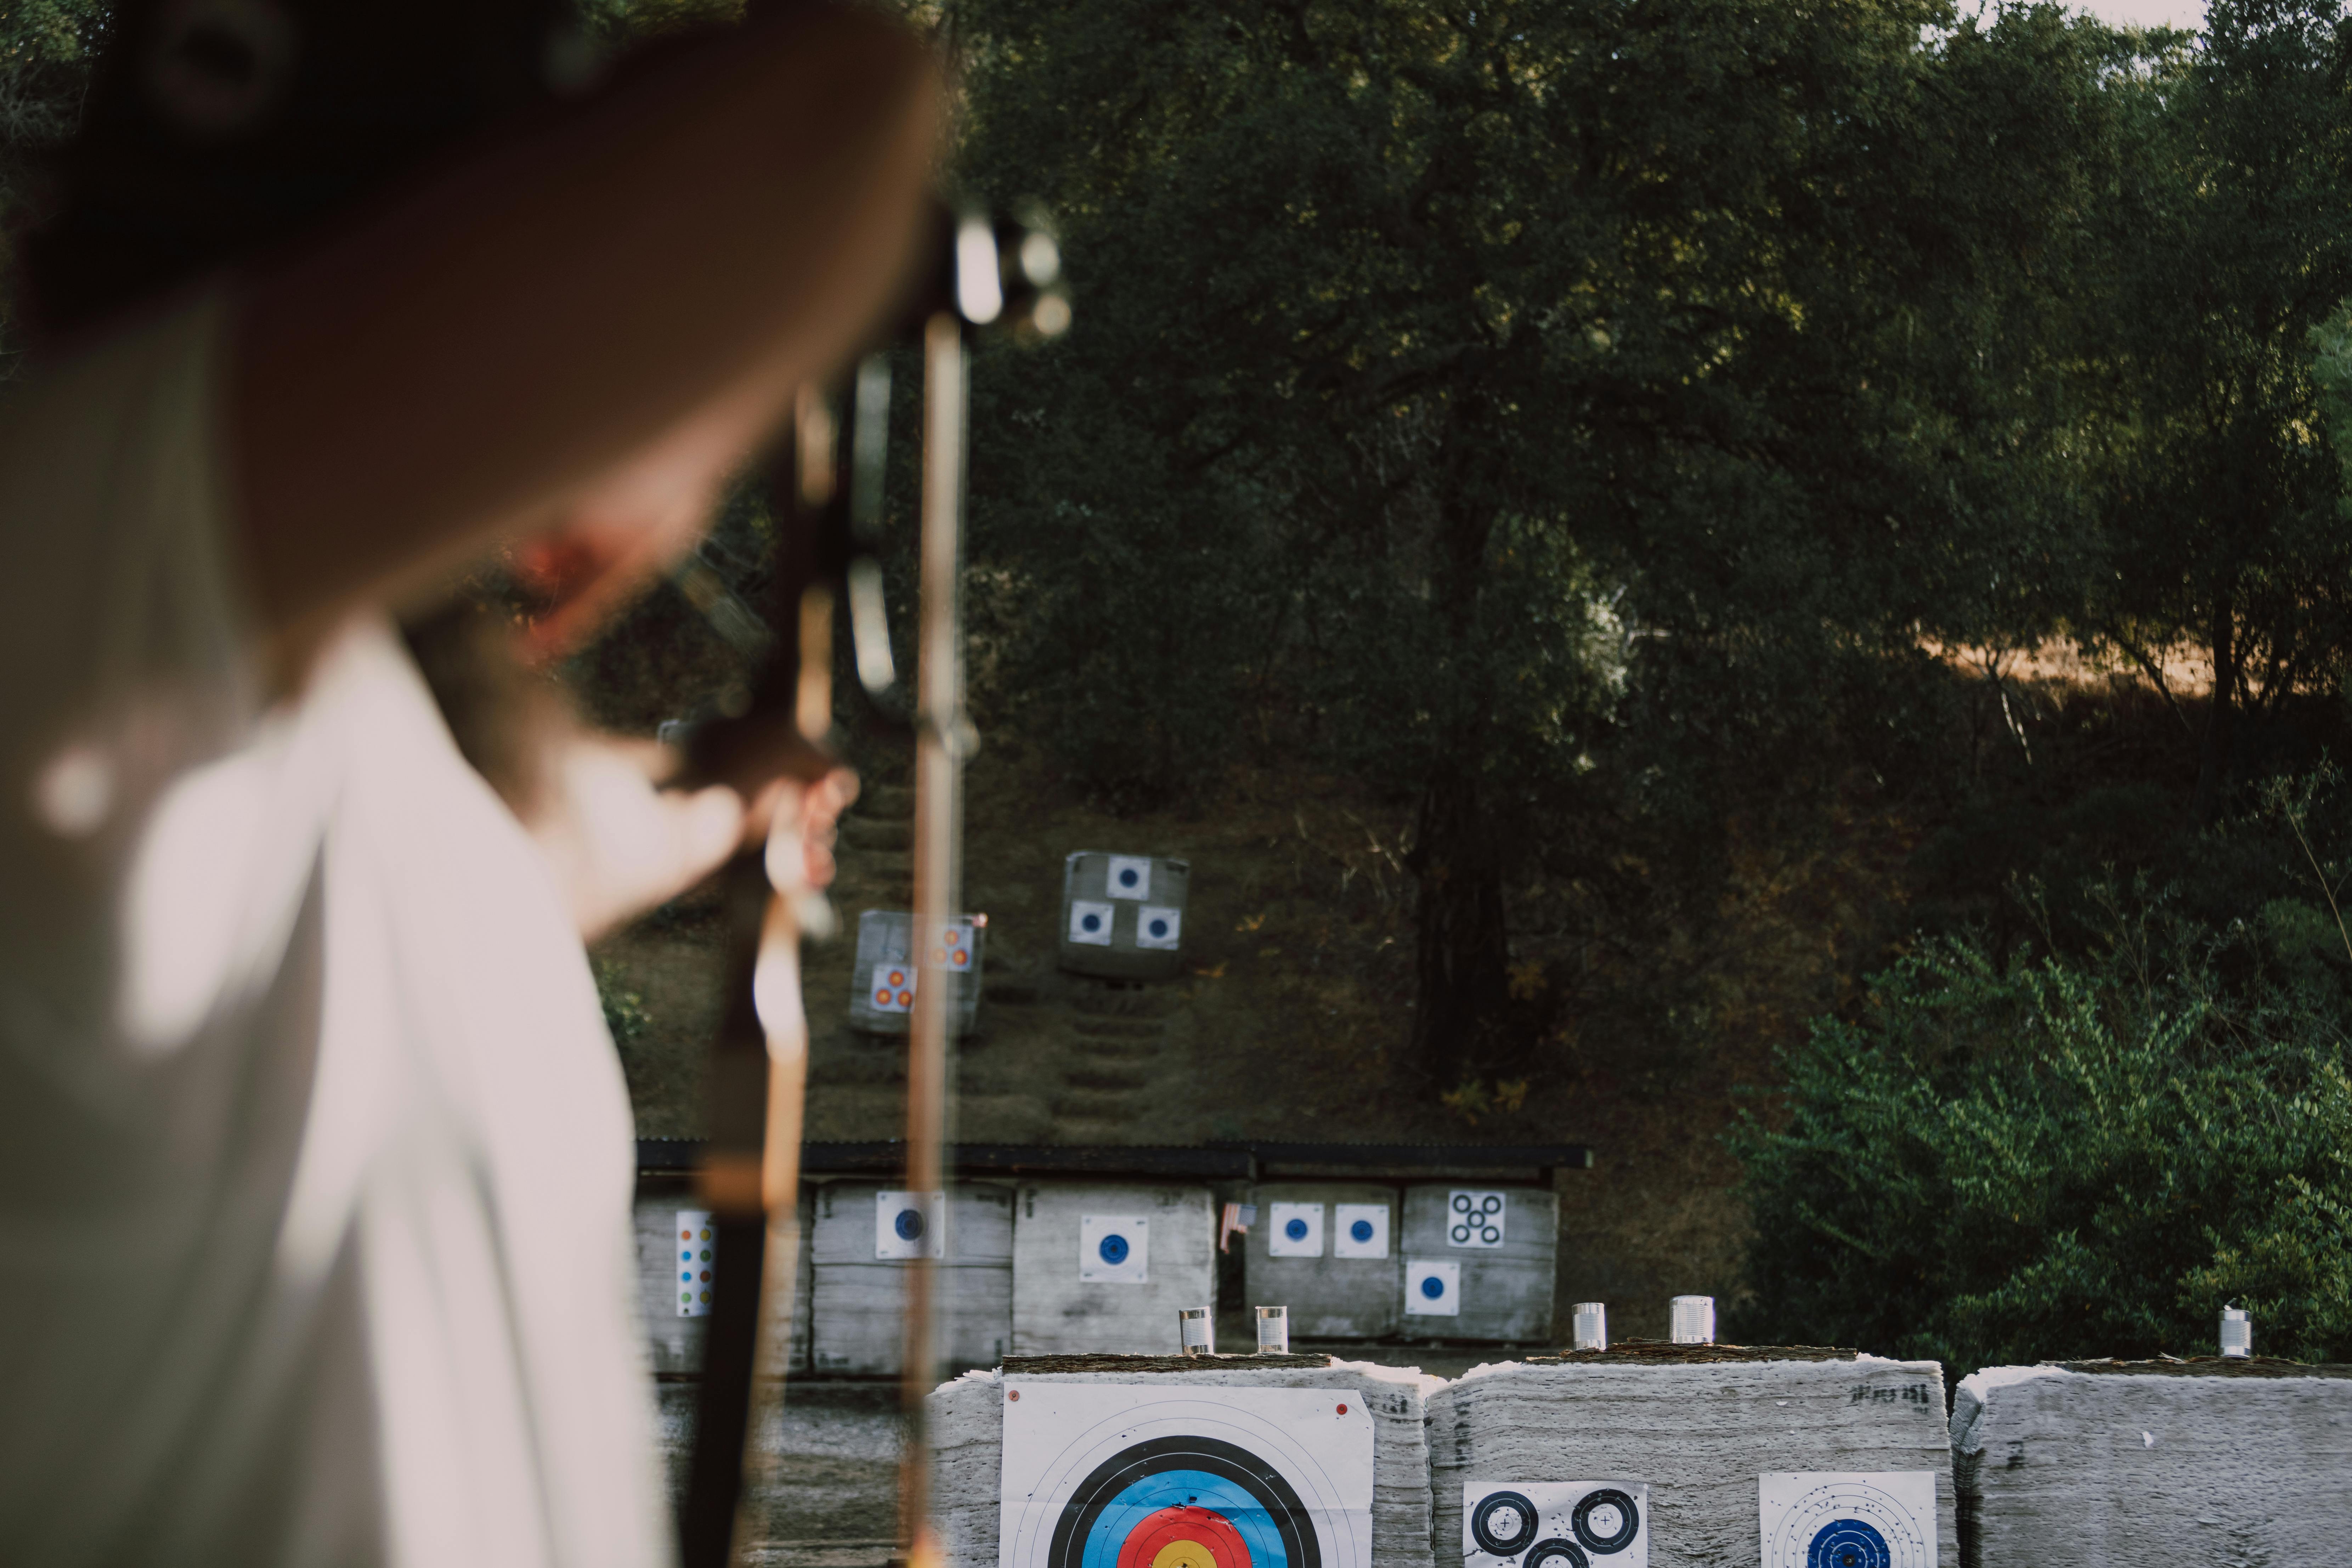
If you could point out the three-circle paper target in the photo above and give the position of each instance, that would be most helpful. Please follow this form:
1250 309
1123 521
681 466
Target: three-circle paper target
952 952
1159 927
1431 1289
1130 877
1475 1219
697 1242
1124 1475
893 989
1844 1518
1114 1249
910 1225
1090 922
1360 1230
1555 1524
1294 1231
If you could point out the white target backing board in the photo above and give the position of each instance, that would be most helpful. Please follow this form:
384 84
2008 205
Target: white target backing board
1297 1230
1475 1220
1090 922
910 1225
1360 1230
1848 1519
696 1241
1431 1289
1130 877
1555 1524
1107 1475
1114 1249
1158 928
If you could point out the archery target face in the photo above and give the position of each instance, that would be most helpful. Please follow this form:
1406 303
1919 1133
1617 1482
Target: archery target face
892 987
1090 922
697 1242
1360 1230
1475 1219
1130 877
1121 1476
1433 1289
1157 928
1844 1518
1295 1230
1555 1524
910 1225
1114 1249
954 950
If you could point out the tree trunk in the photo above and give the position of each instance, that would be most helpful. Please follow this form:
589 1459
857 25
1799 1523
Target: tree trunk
1462 955
2220 718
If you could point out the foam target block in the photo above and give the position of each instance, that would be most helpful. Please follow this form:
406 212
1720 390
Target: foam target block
889 969
860 1246
1504 1243
1337 1287
1704 1437
675 1338
1087 1277
967 1426
2147 1465
1123 915
1555 1524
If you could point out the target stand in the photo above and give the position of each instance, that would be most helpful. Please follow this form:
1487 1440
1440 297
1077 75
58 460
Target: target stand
1123 915
864 1237
1328 1251
886 972
1479 1262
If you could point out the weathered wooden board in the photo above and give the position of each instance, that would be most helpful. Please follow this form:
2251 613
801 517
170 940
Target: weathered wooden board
967 1427
1700 1435
1506 1289
1331 1295
675 1344
2060 1468
859 1300
1056 1312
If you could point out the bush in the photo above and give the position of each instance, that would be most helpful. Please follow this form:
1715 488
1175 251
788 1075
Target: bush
2031 1161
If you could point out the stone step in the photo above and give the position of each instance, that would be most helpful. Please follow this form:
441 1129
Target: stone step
1101 1105
1117 1029
1115 1079
1101 1002
1111 1052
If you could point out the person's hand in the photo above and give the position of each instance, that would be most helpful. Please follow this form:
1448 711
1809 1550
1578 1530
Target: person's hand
618 844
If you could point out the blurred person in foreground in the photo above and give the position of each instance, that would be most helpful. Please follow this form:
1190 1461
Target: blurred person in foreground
315 1157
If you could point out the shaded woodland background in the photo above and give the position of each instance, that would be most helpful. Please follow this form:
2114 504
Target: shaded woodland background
1786 563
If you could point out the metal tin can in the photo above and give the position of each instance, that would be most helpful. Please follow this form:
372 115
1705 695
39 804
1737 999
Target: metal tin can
2237 1333
1692 1321
1196 1331
1273 1330
1592 1326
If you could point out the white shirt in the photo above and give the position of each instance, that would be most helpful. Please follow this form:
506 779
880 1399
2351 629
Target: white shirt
315 1158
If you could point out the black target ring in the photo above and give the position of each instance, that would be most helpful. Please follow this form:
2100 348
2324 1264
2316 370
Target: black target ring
1557 1553
1482 1530
1104 1485
1629 1521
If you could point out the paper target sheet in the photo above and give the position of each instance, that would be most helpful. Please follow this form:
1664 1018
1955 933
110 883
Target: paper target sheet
1848 1519
1555 1524
1107 1475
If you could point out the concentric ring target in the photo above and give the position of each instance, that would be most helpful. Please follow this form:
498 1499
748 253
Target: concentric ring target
1557 1553
1848 1543
1475 1219
1503 1523
1183 1501
1606 1520
1849 1520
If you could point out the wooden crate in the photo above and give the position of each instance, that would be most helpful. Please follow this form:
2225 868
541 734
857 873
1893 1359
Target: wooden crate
676 1343
1700 1433
1055 1312
2153 1465
1330 1294
1504 1290
858 1299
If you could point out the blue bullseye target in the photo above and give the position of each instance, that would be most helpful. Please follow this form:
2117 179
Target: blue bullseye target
1361 1230
1113 1248
1295 1230
910 1225
1848 1543
1433 1287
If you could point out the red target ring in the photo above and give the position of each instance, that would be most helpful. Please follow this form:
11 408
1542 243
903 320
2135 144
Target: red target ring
1184 1537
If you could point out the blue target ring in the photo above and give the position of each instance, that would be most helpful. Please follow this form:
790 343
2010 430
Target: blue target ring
1361 1230
910 1225
1090 922
1848 1543
1433 1287
1113 1248
1107 1515
1127 877
1185 1489
1295 1230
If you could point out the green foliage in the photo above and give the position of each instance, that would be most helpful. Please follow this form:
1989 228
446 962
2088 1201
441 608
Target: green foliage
2013 1161
625 1018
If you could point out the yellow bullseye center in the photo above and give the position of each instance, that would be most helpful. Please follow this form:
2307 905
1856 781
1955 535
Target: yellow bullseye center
1184 1554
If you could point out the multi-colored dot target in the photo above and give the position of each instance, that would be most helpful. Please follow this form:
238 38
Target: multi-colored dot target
1848 1519
1124 1475
697 1255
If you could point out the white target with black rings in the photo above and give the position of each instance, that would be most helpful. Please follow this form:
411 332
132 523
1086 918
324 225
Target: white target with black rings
1475 1219
1152 1476
909 1225
1360 1230
1848 1519
1555 1524
1294 1230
